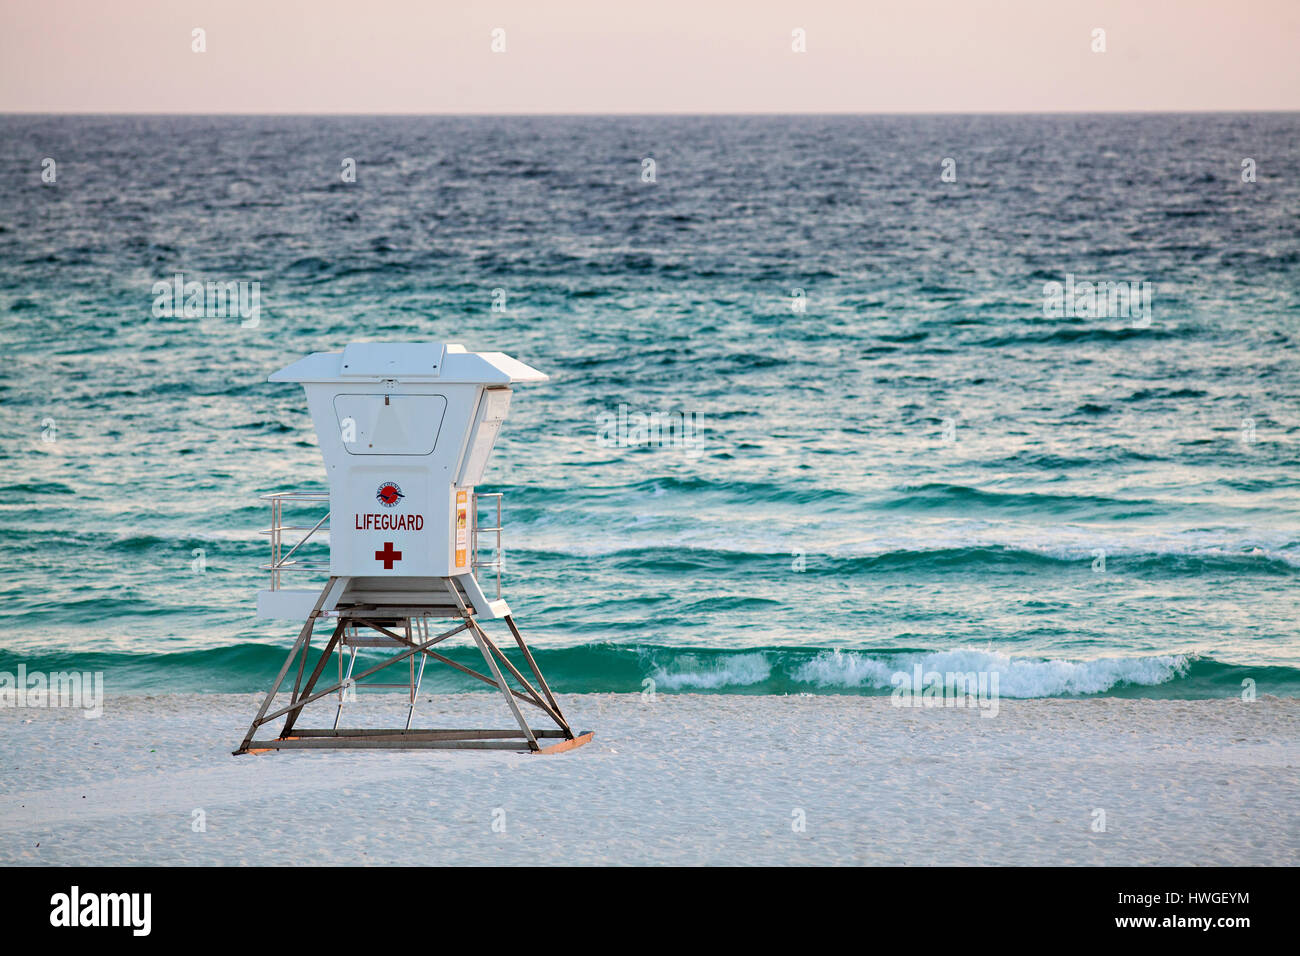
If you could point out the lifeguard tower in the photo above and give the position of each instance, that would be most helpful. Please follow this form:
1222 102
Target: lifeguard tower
406 430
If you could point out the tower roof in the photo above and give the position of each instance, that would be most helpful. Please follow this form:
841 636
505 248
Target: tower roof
408 362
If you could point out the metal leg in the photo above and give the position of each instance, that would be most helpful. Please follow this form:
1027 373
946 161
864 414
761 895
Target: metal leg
423 624
343 681
343 676
302 664
523 681
305 697
303 637
537 672
505 691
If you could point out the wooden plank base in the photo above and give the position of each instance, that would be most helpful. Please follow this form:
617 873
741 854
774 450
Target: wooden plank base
417 740
430 734
562 746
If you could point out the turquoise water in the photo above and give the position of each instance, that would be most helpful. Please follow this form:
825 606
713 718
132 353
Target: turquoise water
921 466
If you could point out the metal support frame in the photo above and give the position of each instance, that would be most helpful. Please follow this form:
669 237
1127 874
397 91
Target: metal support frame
406 630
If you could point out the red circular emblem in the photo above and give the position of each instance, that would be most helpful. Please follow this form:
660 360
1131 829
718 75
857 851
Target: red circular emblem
389 494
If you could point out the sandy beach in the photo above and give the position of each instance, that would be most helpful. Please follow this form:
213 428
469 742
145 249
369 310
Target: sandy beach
685 779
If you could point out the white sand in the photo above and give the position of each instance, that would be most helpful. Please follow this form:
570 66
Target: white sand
686 779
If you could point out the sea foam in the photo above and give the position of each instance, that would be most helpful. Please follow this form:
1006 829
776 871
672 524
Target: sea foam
1018 677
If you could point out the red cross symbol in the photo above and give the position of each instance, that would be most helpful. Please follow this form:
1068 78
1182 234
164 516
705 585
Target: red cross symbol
388 556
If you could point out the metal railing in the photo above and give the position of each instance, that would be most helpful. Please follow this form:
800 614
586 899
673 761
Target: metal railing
282 560
498 557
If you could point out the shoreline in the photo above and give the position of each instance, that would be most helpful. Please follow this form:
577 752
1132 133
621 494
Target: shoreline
683 779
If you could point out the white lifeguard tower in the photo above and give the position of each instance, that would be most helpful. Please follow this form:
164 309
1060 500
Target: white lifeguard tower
406 430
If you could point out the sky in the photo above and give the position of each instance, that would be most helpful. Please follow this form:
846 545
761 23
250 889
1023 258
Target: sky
661 56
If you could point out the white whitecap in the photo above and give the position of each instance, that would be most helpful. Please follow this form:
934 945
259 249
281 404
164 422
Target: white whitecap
1017 677
739 670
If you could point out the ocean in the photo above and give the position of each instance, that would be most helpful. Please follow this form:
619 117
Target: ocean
894 428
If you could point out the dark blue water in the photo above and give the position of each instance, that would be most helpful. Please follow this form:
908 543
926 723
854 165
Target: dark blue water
920 465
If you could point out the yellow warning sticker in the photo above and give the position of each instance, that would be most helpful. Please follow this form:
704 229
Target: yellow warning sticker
462 529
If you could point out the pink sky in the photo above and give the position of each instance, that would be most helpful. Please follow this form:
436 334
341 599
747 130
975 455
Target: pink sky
574 56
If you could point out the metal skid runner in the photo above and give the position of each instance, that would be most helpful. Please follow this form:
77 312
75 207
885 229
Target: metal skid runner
406 630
